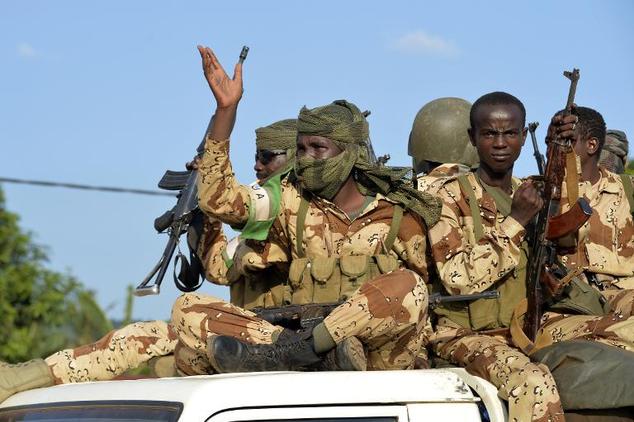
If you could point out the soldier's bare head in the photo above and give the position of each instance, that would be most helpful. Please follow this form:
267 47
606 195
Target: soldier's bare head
497 131
590 134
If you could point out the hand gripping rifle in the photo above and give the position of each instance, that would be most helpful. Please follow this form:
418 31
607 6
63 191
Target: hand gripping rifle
544 271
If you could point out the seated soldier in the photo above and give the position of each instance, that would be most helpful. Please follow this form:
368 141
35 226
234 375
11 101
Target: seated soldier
129 347
479 245
345 230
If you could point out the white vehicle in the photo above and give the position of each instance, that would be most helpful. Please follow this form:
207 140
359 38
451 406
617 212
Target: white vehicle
381 396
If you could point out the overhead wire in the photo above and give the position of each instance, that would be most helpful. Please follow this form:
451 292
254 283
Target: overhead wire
86 187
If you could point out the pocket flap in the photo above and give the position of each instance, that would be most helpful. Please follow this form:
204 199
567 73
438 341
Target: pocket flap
296 271
321 268
386 263
354 265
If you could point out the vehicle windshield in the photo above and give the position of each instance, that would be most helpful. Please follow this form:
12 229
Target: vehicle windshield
101 411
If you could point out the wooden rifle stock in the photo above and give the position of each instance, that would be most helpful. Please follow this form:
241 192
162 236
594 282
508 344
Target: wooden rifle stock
569 222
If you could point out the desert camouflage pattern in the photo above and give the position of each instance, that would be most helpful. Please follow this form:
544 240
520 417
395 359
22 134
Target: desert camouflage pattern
328 232
387 314
606 241
528 387
212 250
613 329
113 354
434 180
465 266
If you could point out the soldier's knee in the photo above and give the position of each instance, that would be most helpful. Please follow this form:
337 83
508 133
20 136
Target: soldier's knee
537 380
180 304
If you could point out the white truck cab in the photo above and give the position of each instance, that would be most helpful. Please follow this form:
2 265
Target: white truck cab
381 396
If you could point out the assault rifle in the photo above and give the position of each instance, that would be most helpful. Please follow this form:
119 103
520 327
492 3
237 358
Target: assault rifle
175 222
544 272
539 157
311 314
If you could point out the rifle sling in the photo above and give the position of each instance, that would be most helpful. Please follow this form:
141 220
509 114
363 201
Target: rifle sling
572 178
629 190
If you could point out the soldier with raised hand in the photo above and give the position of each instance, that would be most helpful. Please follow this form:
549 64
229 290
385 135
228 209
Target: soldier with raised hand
344 229
479 245
129 347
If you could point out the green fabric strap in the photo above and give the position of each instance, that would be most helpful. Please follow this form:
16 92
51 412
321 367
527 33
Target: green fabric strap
629 190
259 229
467 189
394 227
299 229
502 199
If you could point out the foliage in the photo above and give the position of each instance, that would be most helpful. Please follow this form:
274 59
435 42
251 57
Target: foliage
630 167
41 311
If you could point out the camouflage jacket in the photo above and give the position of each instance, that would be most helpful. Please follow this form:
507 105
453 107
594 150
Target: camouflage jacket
606 241
434 180
465 266
328 232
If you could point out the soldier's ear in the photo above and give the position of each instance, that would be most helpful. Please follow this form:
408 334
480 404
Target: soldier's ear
592 145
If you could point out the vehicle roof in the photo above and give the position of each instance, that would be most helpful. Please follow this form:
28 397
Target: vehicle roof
226 391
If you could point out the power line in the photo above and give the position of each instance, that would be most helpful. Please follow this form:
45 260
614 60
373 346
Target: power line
86 187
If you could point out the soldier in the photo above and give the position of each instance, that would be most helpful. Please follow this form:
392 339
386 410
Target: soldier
130 346
614 152
344 229
478 244
605 244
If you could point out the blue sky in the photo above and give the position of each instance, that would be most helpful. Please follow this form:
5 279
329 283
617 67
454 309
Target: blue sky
112 93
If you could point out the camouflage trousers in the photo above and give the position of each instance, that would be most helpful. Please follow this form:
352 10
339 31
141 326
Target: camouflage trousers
621 300
387 314
113 354
528 387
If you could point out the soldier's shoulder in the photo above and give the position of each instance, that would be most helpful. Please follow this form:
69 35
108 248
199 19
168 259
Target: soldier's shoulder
442 177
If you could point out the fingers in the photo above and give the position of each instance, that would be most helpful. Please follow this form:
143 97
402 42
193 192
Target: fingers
237 73
563 126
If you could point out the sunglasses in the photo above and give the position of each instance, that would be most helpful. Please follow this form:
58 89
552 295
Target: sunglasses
265 156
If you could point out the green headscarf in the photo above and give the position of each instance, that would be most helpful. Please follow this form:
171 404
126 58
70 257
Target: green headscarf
280 135
344 124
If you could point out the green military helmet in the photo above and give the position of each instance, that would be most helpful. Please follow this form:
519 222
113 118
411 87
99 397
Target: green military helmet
439 135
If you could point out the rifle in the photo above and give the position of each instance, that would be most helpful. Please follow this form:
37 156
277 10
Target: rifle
176 222
543 269
311 314
539 157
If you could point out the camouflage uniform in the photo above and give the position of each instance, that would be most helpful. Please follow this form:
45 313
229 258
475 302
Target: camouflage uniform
605 250
467 266
387 316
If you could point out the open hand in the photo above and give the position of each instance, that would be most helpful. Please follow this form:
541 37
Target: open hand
227 91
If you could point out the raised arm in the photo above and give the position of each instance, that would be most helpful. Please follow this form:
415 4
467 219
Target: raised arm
219 193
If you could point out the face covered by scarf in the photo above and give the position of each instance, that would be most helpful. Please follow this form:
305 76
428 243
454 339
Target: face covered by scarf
345 125
279 136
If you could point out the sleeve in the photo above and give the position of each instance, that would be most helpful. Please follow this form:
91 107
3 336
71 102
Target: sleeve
411 245
464 265
213 252
253 255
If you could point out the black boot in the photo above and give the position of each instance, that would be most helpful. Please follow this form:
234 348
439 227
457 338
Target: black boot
292 351
349 355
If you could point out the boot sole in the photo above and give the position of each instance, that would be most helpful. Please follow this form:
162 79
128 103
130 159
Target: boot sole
351 355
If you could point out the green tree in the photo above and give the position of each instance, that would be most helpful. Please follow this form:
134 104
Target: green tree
41 311
630 167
